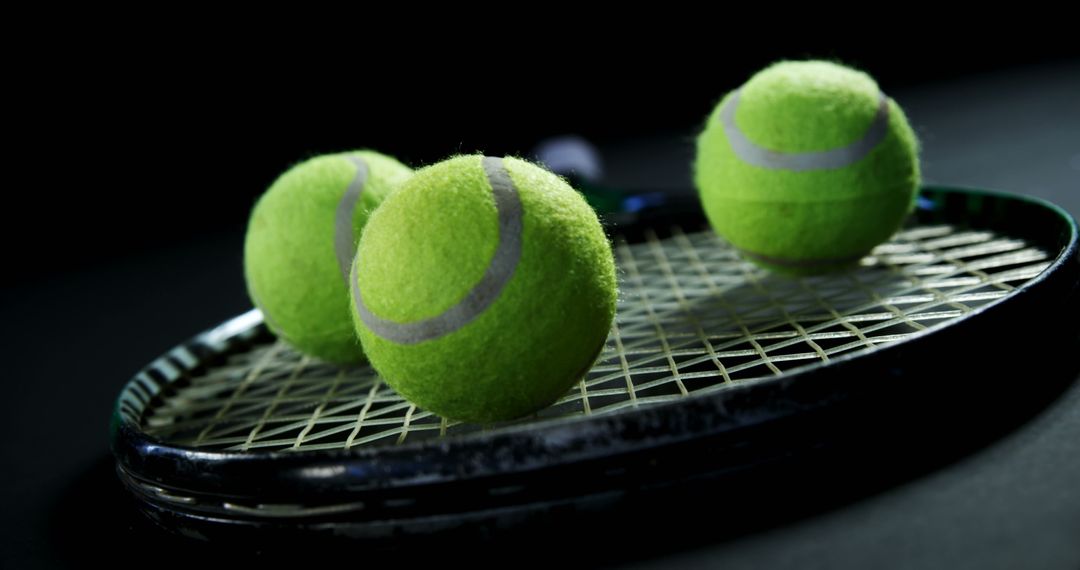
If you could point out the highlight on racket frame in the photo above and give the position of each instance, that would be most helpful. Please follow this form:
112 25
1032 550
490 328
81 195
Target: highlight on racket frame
712 365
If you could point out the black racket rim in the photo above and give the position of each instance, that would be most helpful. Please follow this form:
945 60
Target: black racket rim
747 423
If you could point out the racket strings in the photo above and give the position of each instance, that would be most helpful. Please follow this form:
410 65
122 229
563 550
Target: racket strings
693 319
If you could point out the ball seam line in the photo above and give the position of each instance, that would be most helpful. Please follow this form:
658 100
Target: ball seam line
498 273
756 155
344 236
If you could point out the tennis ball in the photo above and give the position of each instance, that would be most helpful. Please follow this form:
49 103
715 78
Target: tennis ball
483 289
806 167
300 243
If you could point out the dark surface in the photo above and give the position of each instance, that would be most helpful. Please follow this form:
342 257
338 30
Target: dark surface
1005 496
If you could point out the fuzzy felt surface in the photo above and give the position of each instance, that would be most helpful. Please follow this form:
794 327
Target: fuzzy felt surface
807 221
290 264
430 243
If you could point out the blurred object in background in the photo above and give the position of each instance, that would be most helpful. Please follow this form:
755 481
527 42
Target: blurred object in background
579 161
571 156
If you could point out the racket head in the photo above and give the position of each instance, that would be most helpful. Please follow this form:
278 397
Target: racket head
490 476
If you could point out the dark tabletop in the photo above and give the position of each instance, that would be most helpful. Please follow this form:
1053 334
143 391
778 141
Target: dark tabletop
1010 500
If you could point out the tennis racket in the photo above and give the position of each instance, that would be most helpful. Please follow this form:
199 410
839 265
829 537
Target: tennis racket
713 367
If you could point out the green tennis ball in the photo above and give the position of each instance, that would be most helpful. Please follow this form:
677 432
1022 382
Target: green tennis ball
807 167
483 289
300 243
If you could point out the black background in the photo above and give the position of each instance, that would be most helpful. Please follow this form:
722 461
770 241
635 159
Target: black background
137 172
131 155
